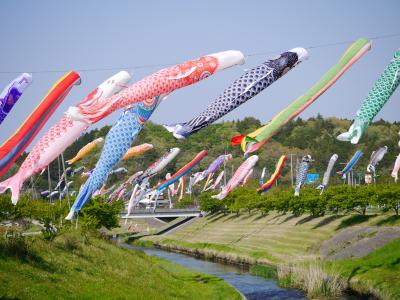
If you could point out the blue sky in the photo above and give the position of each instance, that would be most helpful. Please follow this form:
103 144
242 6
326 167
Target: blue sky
75 35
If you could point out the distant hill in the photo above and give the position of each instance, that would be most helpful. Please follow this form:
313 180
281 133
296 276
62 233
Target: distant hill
315 136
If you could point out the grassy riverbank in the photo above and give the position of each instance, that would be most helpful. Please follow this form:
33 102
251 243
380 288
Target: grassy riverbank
73 267
285 240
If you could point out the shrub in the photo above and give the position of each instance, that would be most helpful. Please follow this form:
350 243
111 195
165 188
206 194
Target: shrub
388 196
209 204
97 213
314 203
185 202
281 201
14 244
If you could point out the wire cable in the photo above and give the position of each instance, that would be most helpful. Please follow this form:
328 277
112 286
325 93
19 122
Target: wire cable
379 37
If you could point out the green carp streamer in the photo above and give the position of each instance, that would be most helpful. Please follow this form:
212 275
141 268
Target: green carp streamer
380 93
253 141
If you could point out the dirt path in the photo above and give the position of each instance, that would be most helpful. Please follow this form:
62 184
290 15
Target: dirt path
357 241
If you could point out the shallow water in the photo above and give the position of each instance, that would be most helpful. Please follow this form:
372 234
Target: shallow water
253 287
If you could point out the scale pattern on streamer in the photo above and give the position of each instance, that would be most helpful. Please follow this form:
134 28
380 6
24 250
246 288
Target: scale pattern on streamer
381 91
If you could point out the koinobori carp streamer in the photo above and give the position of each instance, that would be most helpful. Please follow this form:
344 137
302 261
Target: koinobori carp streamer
279 166
117 142
213 167
301 175
396 168
155 88
380 93
85 150
253 141
137 150
60 136
182 172
327 174
159 164
152 170
17 143
238 177
164 82
376 157
351 163
12 92
241 90
216 182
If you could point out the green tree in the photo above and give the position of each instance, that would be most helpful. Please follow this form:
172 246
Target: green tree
388 196
97 213
209 204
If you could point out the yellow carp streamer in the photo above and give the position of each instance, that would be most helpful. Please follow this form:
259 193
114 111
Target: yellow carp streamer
137 150
85 150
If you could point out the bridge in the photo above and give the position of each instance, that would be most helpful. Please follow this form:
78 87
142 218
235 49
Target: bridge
162 213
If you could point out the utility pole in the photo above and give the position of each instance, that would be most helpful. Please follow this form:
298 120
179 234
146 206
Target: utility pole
65 178
49 180
224 167
291 168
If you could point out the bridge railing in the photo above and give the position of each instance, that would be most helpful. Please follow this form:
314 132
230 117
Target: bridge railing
164 211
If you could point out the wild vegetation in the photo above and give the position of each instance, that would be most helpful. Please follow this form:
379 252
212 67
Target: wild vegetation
340 199
81 263
315 136
275 228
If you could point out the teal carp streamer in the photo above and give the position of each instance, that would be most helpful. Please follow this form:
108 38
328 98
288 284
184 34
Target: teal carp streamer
380 93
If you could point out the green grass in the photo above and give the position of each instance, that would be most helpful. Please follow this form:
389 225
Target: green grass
354 220
380 270
274 238
68 268
285 239
263 271
389 221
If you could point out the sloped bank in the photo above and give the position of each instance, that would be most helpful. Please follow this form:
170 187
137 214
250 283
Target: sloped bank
289 243
76 267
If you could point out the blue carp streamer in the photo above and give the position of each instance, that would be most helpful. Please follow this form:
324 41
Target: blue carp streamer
117 142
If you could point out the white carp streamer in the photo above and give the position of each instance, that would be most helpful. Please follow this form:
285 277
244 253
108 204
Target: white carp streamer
376 157
327 174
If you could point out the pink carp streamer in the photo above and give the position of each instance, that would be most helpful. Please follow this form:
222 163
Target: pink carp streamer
215 184
396 168
60 136
163 82
247 177
238 177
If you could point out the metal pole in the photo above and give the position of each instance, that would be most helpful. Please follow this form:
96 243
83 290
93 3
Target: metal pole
65 178
49 180
224 167
291 168
76 223
59 178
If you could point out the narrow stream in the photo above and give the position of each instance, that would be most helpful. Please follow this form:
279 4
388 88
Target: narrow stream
253 287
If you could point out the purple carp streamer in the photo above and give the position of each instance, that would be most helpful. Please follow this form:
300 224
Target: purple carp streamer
243 89
213 167
12 92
